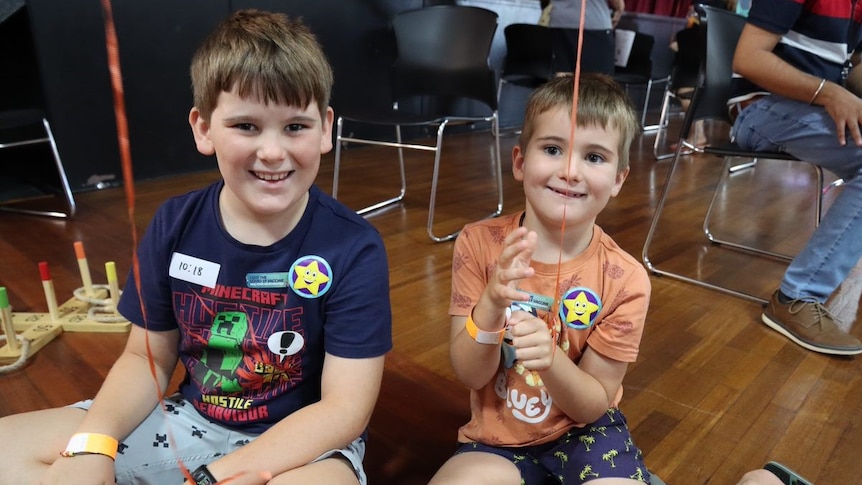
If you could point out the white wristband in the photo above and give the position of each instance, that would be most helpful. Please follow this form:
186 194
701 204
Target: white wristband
91 443
481 336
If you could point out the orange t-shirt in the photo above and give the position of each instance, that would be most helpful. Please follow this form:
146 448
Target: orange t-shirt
604 294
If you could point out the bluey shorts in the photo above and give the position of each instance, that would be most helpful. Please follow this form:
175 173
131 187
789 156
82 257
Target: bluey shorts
152 453
603 449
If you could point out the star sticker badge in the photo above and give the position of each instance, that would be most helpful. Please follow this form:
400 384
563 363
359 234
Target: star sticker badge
310 277
579 308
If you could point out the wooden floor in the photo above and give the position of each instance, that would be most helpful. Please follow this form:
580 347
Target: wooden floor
713 393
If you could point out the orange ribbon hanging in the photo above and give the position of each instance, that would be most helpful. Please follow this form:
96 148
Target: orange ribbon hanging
574 123
113 54
113 51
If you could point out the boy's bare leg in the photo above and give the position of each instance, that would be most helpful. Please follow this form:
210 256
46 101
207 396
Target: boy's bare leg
32 441
759 477
334 470
477 468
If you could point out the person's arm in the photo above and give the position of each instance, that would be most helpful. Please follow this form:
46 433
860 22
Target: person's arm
127 396
586 390
475 363
617 9
349 390
754 59
854 77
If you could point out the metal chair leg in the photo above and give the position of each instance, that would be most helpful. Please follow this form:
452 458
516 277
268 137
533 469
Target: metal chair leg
725 175
65 188
494 119
340 139
650 128
663 123
653 268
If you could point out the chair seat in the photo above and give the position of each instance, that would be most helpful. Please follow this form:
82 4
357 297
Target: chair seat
403 118
531 82
19 118
734 150
627 78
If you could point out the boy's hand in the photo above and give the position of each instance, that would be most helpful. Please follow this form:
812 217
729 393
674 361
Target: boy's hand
86 470
532 340
512 266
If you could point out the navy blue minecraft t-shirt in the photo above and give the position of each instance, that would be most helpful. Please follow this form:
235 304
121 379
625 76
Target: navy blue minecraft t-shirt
255 322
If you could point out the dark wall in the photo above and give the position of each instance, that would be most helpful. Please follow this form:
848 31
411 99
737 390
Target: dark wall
21 167
355 36
20 78
157 39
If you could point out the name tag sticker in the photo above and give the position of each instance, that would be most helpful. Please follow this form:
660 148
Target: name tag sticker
267 280
537 301
194 270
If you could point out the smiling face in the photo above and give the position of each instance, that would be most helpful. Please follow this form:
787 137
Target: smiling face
582 180
268 154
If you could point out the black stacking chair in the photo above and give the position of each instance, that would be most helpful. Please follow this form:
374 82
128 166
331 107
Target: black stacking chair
597 51
529 60
709 102
442 55
638 71
685 73
28 127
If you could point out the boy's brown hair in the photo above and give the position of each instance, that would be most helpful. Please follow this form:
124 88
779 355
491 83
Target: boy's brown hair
262 55
601 102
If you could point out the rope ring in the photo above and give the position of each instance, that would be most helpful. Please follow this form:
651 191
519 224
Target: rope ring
104 314
25 354
81 295
103 310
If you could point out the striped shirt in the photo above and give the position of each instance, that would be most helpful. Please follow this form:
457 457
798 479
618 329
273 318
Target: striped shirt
817 37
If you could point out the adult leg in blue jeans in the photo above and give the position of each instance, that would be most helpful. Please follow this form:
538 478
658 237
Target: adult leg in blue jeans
807 132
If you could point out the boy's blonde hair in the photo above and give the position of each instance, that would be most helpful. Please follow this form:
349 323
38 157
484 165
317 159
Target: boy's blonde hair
262 55
601 102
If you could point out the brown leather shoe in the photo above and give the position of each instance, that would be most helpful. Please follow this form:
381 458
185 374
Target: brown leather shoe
810 325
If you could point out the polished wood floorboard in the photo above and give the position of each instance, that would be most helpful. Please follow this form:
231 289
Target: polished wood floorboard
713 393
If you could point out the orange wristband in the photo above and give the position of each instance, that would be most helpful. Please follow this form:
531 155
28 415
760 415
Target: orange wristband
91 443
481 336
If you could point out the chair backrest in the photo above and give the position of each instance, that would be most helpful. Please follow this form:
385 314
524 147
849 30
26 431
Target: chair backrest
529 51
640 58
443 51
723 29
597 51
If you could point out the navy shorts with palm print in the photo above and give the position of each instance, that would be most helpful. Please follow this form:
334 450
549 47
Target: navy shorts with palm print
603 449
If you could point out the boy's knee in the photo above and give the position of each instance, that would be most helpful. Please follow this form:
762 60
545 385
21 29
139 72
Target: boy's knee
759 477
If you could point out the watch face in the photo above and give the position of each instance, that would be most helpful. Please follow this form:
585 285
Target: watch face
202 476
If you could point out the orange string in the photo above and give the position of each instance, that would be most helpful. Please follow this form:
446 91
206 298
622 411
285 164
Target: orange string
574 123
113 54
123 141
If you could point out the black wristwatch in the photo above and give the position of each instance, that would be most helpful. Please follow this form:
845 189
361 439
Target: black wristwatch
202 476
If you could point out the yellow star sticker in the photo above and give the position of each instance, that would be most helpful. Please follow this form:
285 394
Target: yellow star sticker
310 277
579 309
